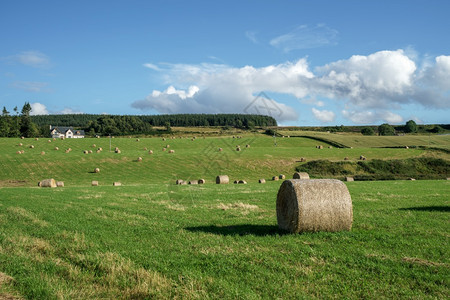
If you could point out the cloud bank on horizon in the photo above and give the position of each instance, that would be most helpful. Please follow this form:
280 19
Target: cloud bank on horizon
367 87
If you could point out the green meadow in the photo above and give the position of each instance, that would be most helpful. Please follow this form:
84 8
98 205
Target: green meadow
150 238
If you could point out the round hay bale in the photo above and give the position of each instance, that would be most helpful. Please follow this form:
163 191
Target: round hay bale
247 146
275 178
20 144
139 159
236 182
36 139
362 157
19 152
301 175
137 140
314 205
349 179
23 151
56 148
97 170
98 151
320 147
60 183
222 179
49 141
242 182
164 139
302 159
22 137
164 149
193 181
94 145
406 147
167 146
145 149
201 181
238 149
150 152
171 151
42 152
411 179
183 182
282 176
330 147
90 151
346 158
47 183
220 149
116 183
179 181
262 180
85 152
31 147
94 183
117 151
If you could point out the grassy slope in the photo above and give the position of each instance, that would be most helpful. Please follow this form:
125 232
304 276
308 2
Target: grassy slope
221 242
354 140
192 159
150 238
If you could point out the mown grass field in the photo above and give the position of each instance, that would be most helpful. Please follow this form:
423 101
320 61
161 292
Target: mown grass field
152 239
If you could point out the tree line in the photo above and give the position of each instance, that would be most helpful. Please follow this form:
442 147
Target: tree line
18 124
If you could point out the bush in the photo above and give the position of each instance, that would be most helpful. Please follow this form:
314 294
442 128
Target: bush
386 129
367 131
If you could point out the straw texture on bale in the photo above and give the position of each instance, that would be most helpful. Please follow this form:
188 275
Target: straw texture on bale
94 183
314 205
117 183
47 183
301 175
262 180
222 179
201 181
60 183
275 178
348 178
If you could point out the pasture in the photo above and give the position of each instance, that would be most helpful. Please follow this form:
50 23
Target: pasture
150 238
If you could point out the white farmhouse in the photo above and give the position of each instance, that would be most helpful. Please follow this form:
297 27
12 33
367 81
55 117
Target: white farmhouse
66 132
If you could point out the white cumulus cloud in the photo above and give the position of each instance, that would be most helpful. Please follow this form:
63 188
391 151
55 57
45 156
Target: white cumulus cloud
323 116
38 109
370 87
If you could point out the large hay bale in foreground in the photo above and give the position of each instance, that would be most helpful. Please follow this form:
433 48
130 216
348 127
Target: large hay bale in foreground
301 175
222 179
94 183
314 205
47 183
60 183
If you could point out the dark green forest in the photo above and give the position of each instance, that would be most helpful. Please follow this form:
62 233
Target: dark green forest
21 123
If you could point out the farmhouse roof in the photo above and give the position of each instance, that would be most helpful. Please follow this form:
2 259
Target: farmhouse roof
65 129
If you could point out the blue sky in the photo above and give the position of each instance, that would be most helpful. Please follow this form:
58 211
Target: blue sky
304 62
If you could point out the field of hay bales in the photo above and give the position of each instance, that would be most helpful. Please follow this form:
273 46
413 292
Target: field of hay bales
151 238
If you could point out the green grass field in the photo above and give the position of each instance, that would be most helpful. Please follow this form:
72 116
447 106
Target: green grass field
153 239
